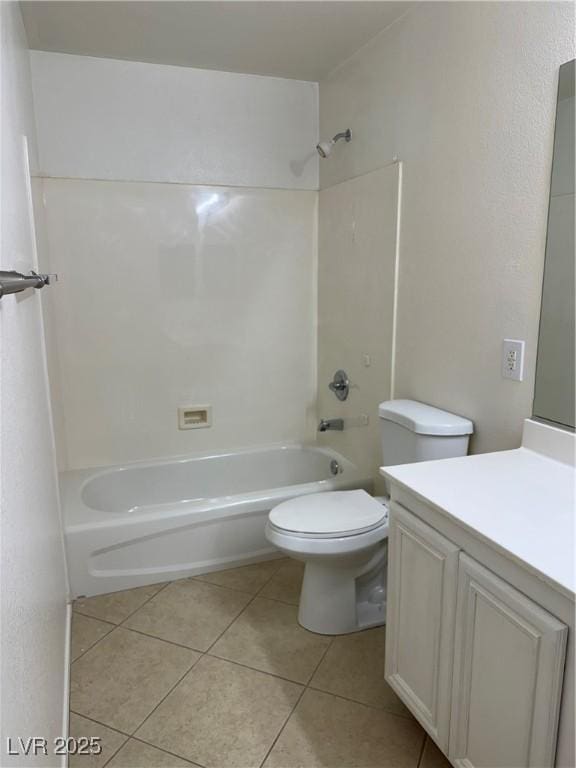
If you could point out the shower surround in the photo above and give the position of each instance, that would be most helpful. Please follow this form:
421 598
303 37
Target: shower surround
179 208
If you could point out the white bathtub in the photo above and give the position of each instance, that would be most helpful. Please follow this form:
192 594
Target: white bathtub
149 522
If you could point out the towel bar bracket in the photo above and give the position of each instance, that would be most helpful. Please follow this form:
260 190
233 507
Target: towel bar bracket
15 282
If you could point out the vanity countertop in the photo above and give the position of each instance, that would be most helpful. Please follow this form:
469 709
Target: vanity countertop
520 501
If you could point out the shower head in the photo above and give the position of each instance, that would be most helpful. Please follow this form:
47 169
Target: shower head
324 148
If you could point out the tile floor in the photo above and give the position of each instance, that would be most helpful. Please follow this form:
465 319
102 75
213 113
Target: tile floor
215 671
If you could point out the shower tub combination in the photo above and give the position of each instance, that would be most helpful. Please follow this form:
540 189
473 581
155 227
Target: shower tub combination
145 523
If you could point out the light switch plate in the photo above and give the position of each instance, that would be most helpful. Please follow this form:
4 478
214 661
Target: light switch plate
513 359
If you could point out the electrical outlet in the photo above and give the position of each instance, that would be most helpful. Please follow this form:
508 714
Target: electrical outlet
513 359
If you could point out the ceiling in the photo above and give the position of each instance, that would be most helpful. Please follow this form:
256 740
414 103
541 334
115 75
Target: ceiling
293 39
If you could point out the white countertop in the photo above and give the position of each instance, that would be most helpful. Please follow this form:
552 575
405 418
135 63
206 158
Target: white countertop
520 500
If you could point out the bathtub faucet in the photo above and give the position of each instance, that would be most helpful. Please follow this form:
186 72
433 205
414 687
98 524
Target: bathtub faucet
326 424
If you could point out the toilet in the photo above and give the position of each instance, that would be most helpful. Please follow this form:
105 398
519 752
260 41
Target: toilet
342 536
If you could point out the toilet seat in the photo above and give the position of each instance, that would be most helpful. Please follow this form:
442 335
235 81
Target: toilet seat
341 537
337 514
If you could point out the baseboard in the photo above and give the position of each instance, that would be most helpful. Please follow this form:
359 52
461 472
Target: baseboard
66 687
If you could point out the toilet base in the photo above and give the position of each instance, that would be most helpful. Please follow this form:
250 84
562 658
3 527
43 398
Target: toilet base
339 597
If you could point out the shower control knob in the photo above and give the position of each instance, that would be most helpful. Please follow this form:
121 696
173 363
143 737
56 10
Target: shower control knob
340 385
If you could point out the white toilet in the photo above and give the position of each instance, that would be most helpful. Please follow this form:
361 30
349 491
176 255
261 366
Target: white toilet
341 536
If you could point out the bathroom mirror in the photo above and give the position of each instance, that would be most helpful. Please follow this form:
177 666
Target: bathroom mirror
554 392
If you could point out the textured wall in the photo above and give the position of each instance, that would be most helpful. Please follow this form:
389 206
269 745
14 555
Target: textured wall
464 94
34 591
109 119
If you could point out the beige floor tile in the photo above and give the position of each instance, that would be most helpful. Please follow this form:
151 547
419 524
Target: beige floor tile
121 679
189 612
222 715
285 585
248 578
432 757
354 668
135 754
267 636
110 741
116 606
86 632
328 731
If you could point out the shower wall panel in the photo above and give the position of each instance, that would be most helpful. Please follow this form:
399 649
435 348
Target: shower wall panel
173 295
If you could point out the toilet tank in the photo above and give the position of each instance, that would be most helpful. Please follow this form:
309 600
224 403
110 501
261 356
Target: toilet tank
412 431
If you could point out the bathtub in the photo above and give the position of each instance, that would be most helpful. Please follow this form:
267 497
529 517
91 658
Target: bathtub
145 523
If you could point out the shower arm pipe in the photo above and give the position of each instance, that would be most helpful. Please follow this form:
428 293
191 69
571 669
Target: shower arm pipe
346 135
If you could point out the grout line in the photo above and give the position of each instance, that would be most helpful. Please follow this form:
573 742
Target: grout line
148 716
107 621
362 703
161 639
201 654
219 586
99 722
89 616
204 578
281 564
230 624
166 751
112 628
113 755
112 624
162 588
254 669
330 644
129 737
420 758
180 645
178 681
304 686
284 724
248 604
304 689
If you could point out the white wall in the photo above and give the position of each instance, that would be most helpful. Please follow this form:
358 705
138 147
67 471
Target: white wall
464 94
356 272
109 119
33 601
174 293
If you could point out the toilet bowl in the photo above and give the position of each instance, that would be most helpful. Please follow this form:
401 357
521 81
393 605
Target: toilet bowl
341 537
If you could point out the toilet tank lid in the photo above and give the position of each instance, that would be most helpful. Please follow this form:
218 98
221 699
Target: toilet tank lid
424 419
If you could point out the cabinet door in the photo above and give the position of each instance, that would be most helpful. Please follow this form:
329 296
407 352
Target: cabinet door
508 666
422 583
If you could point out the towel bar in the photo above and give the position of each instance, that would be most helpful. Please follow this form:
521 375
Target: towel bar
14 282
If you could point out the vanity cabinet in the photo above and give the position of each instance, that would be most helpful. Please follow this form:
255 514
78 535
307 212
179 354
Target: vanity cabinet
422 583
478 663
508 666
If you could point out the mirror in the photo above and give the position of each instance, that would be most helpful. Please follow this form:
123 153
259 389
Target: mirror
554 392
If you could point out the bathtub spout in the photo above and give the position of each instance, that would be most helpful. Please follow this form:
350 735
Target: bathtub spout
332 424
